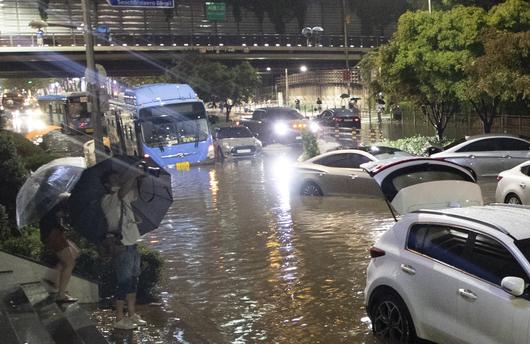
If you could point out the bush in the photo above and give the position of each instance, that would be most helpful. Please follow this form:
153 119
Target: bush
416 145
310 144
26 244
12 174
32 156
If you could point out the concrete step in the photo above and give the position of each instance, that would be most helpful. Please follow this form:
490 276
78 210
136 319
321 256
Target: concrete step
7 280
51 316
6 328
23 321
67 322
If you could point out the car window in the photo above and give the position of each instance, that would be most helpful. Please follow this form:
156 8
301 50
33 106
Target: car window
525 170
258 115
232 132
356 160
513 144
335 160
443 243
326 114
484 145
285 114
491 261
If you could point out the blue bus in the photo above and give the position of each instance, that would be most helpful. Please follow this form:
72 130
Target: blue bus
166 122
69 111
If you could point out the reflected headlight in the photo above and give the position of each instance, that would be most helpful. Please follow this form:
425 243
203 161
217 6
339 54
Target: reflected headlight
280 128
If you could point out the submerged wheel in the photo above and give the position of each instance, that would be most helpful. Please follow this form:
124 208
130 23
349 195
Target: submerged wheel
512 199
391 320
311 189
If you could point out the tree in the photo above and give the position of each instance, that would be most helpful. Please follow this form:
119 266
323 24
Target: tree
485 4
214 81
500 74
12 174
425 60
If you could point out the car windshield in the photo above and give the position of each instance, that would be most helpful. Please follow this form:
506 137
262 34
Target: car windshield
382 153
174 124
225 133
285 114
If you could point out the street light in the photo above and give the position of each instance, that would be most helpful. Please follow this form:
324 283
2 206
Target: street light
303 68
430 10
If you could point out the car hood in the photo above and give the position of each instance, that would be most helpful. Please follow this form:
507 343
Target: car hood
424 183
238 141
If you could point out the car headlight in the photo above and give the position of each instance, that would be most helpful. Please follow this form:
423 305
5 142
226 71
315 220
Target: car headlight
314 127
211 152
280 128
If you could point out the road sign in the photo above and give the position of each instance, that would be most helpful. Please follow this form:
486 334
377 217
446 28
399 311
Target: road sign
215 11
142 3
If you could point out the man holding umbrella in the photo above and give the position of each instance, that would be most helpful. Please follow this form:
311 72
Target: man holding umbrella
123 235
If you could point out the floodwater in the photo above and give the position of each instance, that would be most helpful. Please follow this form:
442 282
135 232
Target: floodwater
247 262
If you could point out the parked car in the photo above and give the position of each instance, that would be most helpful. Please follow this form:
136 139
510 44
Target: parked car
487 155
235 141
340 117
277 125
339 172
512 183
450 270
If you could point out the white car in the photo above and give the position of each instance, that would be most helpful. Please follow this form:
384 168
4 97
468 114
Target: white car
339 172
450 270
512 183
487 155
236 141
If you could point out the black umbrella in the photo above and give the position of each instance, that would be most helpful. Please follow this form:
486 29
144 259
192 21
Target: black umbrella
154 191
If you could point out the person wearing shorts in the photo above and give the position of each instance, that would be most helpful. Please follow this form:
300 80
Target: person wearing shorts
122 225
54 239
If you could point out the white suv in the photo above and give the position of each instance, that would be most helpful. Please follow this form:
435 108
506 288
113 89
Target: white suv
457 273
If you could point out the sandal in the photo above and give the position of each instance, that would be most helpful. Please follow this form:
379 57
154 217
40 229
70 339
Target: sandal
66 299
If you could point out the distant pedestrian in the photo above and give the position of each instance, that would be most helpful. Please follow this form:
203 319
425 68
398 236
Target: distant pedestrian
52 227
121 239
297 104
319 104
40 37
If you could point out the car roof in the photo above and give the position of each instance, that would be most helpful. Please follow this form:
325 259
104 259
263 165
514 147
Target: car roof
508 219
340 151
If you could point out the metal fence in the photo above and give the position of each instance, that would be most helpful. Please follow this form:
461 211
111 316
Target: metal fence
164 39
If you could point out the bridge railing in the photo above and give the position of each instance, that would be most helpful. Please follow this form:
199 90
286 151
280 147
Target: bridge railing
164 39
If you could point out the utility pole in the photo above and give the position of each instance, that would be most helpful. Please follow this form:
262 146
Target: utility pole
286 87
91 76
344 21
430 9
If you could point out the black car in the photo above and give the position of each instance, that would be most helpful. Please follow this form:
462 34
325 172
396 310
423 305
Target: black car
277 125
340 117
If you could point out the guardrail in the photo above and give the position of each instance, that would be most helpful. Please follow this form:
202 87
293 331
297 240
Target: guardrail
164 39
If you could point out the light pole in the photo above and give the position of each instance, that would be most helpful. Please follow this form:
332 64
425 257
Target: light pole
303 69
430 9
91 75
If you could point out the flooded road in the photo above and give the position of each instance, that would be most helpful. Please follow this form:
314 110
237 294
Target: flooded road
263 266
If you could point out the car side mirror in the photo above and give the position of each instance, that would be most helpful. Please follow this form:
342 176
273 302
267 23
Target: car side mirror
513 285
433 150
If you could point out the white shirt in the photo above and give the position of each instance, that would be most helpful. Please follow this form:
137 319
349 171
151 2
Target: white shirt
112 207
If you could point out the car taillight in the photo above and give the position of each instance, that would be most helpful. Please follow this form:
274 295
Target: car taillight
499 177
356 119
376 252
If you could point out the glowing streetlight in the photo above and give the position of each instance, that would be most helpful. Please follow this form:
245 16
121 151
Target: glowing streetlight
268 69
303 68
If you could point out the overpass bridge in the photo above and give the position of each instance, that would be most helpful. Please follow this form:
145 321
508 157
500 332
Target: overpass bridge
63 55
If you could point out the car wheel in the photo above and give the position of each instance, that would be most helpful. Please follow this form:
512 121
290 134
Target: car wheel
512 199
391 320
311 189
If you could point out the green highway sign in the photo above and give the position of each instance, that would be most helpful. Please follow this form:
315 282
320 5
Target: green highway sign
215 11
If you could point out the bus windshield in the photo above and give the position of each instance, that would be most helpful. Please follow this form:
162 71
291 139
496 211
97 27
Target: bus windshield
174 124
78 107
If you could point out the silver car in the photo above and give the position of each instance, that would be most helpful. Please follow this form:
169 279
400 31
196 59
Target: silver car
487 155
339 172
236 141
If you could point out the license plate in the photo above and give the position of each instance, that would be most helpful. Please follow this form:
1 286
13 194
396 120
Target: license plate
348 120
241 151
89 131
299 137
182 166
